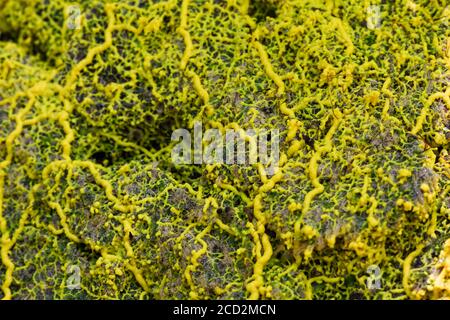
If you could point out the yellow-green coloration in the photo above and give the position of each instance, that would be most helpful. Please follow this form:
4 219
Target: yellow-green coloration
86 178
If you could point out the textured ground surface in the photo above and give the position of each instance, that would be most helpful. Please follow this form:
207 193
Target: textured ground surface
87 183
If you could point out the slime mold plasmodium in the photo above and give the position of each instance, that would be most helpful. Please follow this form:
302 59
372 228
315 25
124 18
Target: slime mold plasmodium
86 177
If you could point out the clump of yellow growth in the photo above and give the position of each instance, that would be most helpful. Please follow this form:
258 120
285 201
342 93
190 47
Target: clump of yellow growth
86 177
441 286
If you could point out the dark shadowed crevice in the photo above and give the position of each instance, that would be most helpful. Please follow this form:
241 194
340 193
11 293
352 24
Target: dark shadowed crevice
262 9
